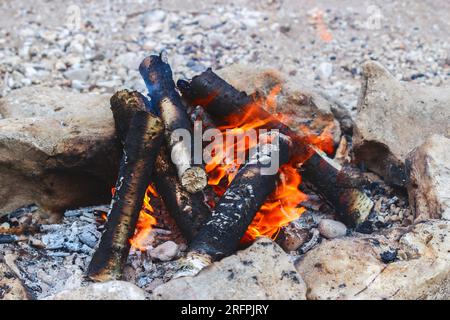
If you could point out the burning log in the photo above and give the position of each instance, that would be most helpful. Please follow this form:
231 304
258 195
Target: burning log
188 210
124 105
224 102
140 149
237 207
158 78
338 186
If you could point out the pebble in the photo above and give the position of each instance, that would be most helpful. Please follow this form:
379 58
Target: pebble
5 225
331 229
88 238
165 251
293 239
77 74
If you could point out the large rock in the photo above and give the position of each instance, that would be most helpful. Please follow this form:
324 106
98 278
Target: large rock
262 271
111 290
57 149
299 104
393 118
353 269
429 179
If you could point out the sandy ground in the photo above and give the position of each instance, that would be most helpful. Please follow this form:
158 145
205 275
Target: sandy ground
97 45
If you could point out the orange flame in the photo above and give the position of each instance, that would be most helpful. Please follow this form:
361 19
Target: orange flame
146 221
282 206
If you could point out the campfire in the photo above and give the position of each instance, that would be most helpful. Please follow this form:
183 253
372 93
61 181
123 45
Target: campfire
211 180
232 198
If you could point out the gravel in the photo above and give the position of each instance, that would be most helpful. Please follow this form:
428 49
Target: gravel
97 45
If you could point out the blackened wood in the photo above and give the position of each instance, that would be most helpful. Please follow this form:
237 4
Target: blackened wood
337 185
238 206
8 238
189 210
157 75
124 105
226 103
140 149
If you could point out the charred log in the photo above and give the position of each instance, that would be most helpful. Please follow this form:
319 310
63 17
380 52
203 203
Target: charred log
157 75
338 186
141 147
124 105
188 210
9 238
225 102
239 204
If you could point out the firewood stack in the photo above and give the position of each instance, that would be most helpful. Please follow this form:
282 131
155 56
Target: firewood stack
155 153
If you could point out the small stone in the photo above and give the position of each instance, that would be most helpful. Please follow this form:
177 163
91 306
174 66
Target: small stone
129 60
153 16
331 229
293 239
37 243
166 251
88 238
79 85
326 69
5 225
388 256
77 74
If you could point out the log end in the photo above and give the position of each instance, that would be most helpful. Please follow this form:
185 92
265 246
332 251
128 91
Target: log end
194 179
192 264
357 206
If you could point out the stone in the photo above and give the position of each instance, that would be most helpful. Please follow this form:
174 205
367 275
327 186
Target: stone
354 269
88 238
57 149
299 104
111 290
129 60
11 288
293 238
331 229
81 75
165 251
393 118
262 271
429 179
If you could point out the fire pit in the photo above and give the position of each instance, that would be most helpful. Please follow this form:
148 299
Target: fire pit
212 181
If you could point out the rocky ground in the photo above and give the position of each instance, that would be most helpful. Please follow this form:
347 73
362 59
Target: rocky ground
97 45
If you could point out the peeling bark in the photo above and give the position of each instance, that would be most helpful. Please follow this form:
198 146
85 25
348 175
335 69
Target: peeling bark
158 78
140 149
